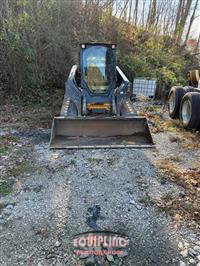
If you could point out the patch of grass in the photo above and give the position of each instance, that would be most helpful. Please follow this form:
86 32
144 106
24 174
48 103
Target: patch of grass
3 151
5 189
20 168
20 153
151 108
173 125
94 160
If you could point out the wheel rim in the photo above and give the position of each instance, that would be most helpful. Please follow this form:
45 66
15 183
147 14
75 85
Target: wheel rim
186 112
171 103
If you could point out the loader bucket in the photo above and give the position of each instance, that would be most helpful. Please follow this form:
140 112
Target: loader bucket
77 133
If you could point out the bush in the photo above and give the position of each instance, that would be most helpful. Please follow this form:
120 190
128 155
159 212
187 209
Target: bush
39 43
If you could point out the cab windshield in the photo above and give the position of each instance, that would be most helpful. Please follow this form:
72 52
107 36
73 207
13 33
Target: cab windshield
97 69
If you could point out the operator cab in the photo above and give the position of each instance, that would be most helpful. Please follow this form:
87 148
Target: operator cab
98 68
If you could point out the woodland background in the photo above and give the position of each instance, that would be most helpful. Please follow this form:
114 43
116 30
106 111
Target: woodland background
39 41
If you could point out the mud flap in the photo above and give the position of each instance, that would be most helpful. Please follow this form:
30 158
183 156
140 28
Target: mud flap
93 132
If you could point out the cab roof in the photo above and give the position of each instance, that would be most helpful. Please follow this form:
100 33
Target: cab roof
98 43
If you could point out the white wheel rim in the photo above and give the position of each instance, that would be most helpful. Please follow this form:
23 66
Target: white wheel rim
186 112
171 103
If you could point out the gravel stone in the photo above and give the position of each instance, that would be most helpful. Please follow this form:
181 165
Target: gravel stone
192 261
90 261
110 258
182 263
124 254
7 211
180 245
184 253
197 249
192 252
193 237
57 244
9 207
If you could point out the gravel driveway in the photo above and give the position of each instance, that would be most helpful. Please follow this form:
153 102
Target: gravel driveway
54 191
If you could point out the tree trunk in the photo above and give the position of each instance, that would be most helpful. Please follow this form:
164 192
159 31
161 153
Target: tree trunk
136 13
183 20
191 21
143 14
198 45
153 14
124 9
178 16
130 11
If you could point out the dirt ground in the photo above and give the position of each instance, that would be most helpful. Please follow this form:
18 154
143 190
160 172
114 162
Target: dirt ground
47 196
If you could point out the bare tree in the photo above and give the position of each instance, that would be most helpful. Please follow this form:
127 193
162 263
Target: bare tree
180 5
136 12
183 19
143 12
130 11
152 13
198 45
191 21
124 9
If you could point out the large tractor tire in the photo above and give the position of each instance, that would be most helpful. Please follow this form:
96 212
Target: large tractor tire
175 96
190 110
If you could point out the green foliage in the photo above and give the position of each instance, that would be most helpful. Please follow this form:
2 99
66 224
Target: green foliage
5 189
39 43
157 57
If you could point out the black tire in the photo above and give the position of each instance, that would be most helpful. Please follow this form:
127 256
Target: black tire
175 96
188 89
190 110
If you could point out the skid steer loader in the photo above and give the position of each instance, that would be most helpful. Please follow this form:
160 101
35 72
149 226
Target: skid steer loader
97 111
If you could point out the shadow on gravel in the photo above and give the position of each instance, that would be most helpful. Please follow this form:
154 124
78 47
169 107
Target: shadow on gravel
36 136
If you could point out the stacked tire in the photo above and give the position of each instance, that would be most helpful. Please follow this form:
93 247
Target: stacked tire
184 103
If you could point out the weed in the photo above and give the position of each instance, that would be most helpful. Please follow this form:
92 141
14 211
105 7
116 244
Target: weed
19 153
173 126
94 160
151 108
20 168
5 189
175 158
110 161
72 162
3 151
